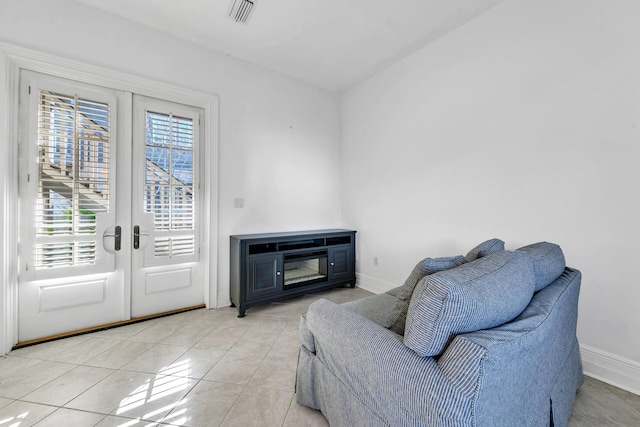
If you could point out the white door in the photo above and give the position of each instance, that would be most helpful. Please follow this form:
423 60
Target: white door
80 197
166 272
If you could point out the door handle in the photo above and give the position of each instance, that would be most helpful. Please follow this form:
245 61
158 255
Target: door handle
118 237
136 236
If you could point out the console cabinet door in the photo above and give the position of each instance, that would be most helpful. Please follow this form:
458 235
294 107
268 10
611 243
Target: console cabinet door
341 262
265 275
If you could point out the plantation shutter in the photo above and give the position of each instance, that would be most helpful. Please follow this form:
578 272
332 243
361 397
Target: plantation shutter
73 179
169 183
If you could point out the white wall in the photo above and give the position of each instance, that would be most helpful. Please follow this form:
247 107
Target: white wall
278 138
523 125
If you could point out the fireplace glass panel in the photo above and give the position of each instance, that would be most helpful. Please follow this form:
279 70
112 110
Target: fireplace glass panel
305 268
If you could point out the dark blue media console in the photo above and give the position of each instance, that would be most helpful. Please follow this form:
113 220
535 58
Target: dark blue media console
274 266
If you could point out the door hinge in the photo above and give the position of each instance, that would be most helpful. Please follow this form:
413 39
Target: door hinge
26 267
29 89
28 178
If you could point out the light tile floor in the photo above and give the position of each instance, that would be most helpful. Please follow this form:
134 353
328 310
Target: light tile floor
200 368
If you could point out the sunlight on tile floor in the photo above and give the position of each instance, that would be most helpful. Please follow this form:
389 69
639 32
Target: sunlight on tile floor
200 368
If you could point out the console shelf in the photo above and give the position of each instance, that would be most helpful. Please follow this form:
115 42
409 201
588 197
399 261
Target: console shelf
274 266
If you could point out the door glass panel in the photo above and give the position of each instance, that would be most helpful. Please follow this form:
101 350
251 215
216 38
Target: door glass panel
73 178
169 191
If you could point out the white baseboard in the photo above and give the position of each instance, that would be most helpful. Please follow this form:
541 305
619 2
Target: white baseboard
371 284
611 369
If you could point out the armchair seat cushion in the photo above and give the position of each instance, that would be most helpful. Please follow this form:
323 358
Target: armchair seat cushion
382 309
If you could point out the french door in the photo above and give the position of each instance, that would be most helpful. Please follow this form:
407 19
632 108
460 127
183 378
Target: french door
109 206
166 272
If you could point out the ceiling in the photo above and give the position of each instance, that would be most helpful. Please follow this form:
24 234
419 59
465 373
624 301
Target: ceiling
332 44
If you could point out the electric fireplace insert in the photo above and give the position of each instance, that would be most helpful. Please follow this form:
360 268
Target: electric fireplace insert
305 268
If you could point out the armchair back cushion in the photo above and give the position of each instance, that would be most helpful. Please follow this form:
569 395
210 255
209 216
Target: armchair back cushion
548 262
424 268
403 293
390 308
485 248
482 294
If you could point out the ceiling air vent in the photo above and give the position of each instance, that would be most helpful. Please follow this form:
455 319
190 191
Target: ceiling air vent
241 10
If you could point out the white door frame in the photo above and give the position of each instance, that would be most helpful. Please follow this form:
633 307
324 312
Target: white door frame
12 60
